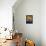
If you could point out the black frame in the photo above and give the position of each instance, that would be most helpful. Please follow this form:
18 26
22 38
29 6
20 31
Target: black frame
29 19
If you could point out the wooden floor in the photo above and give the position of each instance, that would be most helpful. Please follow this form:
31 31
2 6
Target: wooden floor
9 43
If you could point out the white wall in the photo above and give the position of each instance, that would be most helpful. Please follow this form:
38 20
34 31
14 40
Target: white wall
31 31
43 22
6 13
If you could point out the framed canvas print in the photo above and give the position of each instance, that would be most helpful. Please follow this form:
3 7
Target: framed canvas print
29 19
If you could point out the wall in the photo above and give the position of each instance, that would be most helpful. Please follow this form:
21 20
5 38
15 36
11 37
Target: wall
30 31
43 22
6 13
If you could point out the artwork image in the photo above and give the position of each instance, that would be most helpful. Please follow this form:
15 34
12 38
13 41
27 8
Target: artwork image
29 19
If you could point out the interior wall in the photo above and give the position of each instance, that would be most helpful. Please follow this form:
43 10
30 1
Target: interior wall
30 31
43 22
6 13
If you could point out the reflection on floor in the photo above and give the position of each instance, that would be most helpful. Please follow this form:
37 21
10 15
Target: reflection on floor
9 43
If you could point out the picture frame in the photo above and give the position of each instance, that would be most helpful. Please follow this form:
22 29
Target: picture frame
29 19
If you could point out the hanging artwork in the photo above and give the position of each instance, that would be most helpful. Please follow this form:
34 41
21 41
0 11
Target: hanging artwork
29 19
